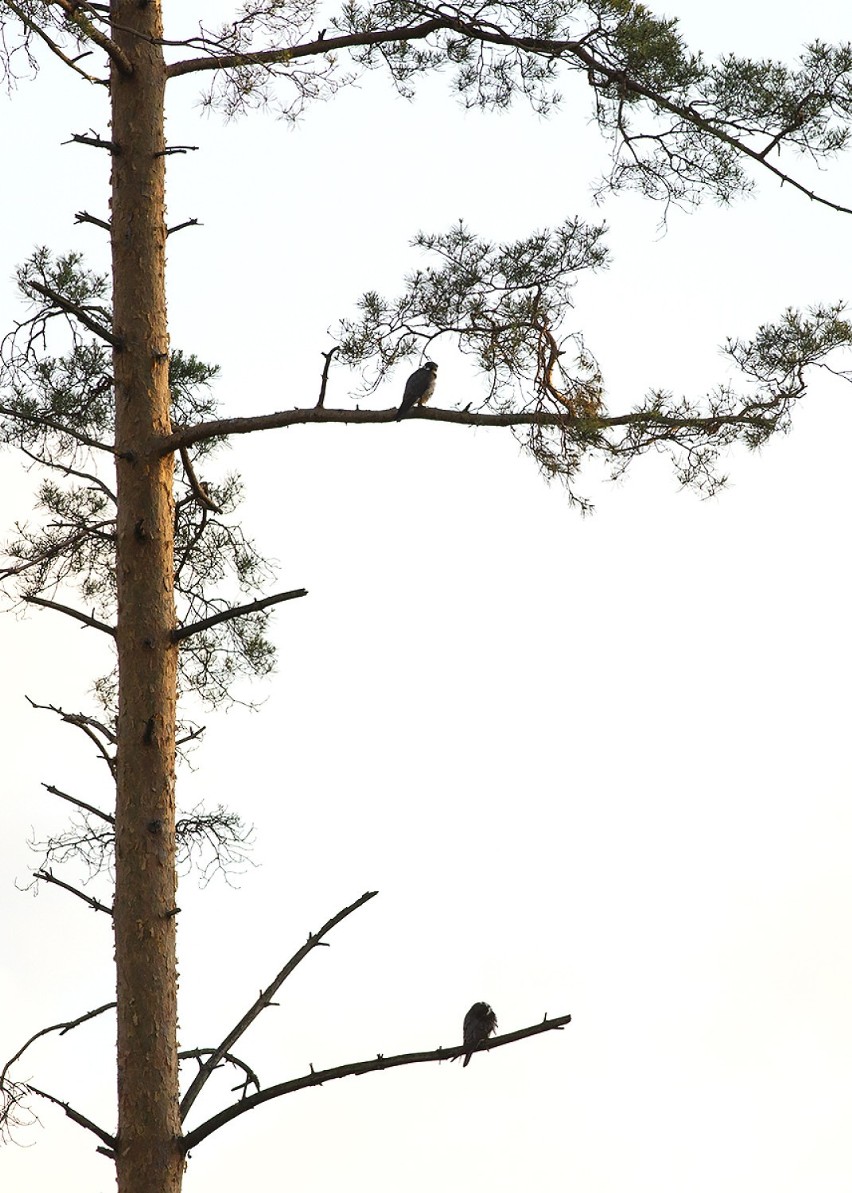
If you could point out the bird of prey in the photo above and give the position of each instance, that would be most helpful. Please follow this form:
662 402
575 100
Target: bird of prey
418 388
479 1023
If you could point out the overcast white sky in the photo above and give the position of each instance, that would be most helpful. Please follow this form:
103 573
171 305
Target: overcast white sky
593 766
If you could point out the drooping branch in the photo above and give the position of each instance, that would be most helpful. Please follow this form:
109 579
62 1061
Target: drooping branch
207 623
86 618
49 877
264 1000
251 1077
62 1028
357 1069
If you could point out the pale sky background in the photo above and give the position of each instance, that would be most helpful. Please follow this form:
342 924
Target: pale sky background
596 766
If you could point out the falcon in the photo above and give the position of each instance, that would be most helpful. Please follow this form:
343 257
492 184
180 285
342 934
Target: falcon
479 1023
418 388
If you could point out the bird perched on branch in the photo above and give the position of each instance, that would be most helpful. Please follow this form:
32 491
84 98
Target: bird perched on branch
418 388
479 1023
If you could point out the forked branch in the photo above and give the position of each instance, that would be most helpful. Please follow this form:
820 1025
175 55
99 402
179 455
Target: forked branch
264 1000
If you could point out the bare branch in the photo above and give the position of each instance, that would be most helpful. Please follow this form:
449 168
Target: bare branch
79 803
95 142
356 1070
48 876
324 382
197 627
85 618
263 1000
87 725
62 1028
193 223
78 312
83 217
76 1117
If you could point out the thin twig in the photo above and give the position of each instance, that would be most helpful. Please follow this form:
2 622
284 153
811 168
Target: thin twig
196 627
357 1069
263 1000
47 876
324 382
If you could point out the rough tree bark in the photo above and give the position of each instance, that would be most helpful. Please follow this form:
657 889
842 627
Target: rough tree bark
148 1154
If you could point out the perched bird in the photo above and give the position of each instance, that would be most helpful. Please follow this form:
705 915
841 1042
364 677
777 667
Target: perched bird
418 388
479 1023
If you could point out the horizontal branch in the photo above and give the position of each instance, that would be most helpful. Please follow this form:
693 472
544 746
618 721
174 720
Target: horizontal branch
76 1117
83 217
47 876
62 1028
196 627
264 1000
357 1069
245 425
307 50
52 424
85 618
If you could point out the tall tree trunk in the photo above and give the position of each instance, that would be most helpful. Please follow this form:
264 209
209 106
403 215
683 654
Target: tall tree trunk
149 1158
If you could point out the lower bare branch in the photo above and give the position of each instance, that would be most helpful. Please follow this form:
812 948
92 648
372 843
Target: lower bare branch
197 627
76 1117
264 1000
357 1069
47 876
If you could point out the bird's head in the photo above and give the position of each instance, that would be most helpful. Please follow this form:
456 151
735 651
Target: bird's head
431 366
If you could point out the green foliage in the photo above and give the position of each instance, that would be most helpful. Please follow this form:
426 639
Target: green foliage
58 408
497 303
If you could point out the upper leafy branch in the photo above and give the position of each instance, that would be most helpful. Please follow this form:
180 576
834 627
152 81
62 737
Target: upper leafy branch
680 128
506 306
57 408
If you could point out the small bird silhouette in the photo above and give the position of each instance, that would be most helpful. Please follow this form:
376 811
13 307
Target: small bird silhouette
418 388
479 1023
